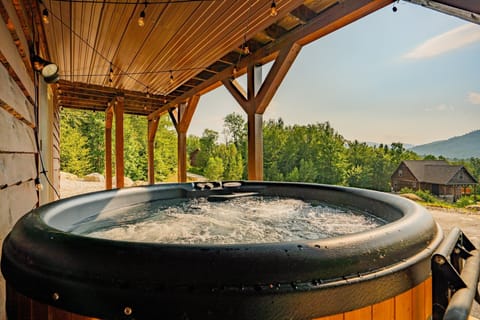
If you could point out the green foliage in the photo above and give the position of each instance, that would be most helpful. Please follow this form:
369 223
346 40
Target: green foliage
74 151
82 142
406 190
165 150
426 196
465 201
135 147
214 169
83 145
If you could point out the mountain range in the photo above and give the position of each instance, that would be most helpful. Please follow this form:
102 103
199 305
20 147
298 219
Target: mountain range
462 147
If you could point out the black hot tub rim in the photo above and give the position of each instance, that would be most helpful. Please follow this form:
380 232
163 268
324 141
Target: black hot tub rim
99 277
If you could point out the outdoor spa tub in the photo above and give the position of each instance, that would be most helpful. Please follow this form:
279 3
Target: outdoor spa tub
53 272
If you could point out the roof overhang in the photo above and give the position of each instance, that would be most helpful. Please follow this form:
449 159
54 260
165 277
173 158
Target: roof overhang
465 9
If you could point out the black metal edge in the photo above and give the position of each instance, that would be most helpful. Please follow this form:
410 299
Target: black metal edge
65 275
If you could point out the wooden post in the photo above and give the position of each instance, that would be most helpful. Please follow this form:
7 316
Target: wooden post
152 130
184 116
255 146
119 161
255 125
182 156
108 147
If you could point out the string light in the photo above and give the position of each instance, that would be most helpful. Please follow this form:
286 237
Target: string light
45 16
110 75
273 9
141 19
148 92
38 184
246 49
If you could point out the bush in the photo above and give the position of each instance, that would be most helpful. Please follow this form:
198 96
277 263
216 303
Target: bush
426 196
465 201
406 190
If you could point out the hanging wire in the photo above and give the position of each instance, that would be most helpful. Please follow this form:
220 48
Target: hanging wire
124 73
38 185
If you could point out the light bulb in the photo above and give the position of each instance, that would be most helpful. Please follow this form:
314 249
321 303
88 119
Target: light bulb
38 184
171 77
246 50
141 19
45 16
273 9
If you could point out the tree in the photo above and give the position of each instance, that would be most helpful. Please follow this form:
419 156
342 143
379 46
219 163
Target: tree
73 151
135 146
165 150
235 129
214 169
232 160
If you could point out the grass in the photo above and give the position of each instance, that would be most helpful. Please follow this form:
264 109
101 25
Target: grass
428 199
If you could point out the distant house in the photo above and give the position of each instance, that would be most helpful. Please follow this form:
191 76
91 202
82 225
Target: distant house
437 176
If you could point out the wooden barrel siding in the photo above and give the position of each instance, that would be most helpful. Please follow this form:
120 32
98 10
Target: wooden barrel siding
414 304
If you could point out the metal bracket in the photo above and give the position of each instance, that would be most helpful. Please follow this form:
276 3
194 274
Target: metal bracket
455 277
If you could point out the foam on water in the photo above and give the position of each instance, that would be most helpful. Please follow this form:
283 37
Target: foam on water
252 219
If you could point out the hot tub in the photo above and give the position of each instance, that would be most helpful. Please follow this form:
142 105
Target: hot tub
383 273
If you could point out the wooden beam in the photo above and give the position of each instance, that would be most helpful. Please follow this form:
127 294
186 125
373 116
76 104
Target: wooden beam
108 147
237 92
275 76
185 114
119 157
152 130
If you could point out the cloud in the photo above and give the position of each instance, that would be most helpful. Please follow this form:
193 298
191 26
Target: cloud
440 108
474 97
445 42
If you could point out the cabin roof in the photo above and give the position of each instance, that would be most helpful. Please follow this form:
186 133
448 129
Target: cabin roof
435 171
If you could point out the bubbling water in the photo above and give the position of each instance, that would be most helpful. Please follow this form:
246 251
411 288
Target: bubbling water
253 219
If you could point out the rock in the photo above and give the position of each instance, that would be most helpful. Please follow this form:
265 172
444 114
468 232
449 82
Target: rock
475 207
127 182
96 177
411 196
67 176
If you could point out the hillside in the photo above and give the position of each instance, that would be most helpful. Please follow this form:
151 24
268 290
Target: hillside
462 147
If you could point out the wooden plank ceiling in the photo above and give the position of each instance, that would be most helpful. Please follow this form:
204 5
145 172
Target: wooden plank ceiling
184 49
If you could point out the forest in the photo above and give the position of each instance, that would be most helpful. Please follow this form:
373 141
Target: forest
305 153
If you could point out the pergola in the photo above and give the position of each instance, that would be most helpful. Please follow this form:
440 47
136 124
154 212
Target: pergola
185 48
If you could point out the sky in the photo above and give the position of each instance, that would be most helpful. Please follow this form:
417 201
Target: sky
412 76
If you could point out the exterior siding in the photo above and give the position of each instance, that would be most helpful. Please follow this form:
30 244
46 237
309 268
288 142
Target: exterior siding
403 178
18 147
